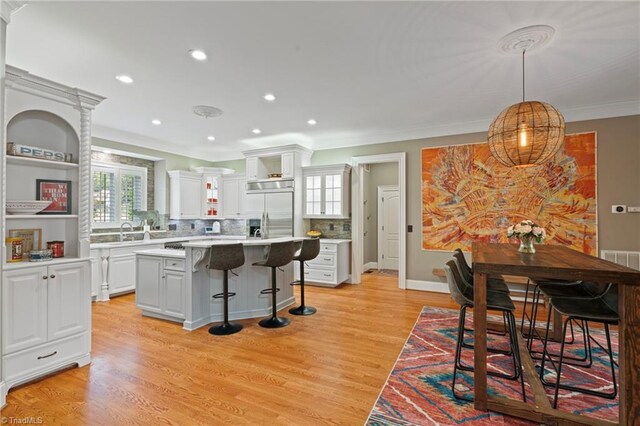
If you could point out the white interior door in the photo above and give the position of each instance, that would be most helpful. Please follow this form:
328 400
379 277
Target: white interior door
388 227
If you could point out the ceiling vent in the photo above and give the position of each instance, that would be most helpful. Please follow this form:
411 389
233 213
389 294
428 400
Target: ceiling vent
207 111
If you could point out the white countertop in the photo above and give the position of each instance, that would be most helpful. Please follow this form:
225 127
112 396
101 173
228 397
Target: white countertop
245 242
117 244
180 254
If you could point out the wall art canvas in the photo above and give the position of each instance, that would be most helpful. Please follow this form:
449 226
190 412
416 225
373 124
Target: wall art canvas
468 196
56 191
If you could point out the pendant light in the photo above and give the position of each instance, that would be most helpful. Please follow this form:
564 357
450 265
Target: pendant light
530 132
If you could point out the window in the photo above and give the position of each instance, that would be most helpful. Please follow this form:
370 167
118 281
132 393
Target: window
118 190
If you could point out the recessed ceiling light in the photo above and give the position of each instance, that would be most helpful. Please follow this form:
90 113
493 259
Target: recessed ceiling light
124 79
211 138
156 122
198 55
312 122
257 131
269 97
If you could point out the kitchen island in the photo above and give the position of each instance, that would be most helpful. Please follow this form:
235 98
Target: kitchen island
176 285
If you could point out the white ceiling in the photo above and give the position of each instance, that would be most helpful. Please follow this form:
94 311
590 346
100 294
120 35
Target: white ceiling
369 72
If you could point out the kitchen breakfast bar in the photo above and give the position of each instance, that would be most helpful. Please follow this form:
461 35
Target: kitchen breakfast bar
176 285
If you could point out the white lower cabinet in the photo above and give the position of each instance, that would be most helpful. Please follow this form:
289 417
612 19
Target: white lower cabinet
45 320
122 273
331 266
161 287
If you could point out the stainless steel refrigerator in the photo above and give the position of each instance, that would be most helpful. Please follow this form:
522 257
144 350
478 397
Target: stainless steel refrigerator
271 201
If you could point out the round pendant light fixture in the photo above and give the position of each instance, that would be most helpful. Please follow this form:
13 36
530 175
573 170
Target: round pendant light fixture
529 132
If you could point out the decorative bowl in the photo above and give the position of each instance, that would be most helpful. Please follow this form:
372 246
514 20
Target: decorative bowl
314 234
26 206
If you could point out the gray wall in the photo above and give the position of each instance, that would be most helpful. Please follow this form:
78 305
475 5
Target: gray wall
618 183
379 174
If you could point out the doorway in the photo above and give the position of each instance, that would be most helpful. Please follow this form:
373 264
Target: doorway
388 227
359 201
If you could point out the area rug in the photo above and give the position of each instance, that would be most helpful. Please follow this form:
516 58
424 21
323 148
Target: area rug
418 390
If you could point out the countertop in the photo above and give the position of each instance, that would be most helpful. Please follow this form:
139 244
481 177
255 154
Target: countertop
117 244
245 242
333 240
180 254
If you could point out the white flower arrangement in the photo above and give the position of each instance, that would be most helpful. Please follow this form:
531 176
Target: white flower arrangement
527 229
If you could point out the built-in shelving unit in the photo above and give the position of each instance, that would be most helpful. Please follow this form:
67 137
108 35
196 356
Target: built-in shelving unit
46 305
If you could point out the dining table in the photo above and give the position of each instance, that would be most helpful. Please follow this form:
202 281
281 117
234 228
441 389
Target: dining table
556 262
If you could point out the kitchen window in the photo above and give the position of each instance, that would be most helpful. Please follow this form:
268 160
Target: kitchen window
117 191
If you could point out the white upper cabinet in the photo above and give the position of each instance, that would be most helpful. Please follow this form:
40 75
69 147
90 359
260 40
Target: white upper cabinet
326 191
196 194
234 196
279 162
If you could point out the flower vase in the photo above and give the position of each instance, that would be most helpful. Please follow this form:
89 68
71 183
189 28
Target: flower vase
526 245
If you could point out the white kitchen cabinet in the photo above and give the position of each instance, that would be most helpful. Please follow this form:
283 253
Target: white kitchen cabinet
233 196
186 198
326 192
114 269
122 273
331 266
161 287
252 170
45 319
287 163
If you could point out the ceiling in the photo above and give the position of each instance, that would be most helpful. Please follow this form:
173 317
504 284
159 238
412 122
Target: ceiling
368 72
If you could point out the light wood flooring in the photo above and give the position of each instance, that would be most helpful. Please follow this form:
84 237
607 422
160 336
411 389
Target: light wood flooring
322 369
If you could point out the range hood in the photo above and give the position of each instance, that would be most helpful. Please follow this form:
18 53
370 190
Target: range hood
270 185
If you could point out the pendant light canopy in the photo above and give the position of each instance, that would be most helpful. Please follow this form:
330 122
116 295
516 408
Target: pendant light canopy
529 132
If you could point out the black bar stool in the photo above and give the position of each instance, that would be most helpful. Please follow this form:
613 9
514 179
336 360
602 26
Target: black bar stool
280 254
225 257
310 250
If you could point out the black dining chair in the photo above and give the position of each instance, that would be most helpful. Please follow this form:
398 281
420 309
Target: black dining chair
493 283
496 301
601 309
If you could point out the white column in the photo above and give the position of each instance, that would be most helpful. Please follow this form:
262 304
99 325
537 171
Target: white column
84 180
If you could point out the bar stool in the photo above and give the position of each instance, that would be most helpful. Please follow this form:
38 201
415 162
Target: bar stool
225 257
280 254
310 250
493 283
496 301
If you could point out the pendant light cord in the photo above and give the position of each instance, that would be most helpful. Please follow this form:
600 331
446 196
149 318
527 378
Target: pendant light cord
523 50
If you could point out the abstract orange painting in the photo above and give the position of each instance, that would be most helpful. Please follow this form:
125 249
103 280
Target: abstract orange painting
468 196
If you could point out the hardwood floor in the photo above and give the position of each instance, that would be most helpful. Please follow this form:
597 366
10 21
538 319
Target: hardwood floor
323 369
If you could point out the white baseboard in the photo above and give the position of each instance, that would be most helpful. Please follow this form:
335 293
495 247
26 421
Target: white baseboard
435 286
370 265
3 394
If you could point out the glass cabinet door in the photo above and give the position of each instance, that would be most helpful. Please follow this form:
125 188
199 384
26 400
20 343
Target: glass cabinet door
211 195
313 185
333 195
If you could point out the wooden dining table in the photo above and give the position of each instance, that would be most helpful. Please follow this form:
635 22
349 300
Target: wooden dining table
559 262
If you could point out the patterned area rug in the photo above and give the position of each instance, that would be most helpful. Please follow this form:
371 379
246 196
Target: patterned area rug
418 390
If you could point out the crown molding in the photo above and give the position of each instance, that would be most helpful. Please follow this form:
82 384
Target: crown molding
277 150
7 7
20 79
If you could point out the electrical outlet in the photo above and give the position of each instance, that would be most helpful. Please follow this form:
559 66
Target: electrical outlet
173 227
193 226
346 227
633 209
331 227
618 208
409 228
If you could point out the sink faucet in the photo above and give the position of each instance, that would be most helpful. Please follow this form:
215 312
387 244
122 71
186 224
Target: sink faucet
256 233
122 231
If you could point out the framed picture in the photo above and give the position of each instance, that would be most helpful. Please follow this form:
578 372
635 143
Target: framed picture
31 239
56 191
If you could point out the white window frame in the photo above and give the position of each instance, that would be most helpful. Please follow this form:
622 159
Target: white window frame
117 169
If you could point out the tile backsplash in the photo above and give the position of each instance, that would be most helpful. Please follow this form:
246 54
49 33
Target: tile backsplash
183 228
331 228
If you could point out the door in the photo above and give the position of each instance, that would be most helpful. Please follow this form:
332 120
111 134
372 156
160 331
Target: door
190 197
69 298
122 273
148 283
24 308
231 197
279 211
388 227
174 293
